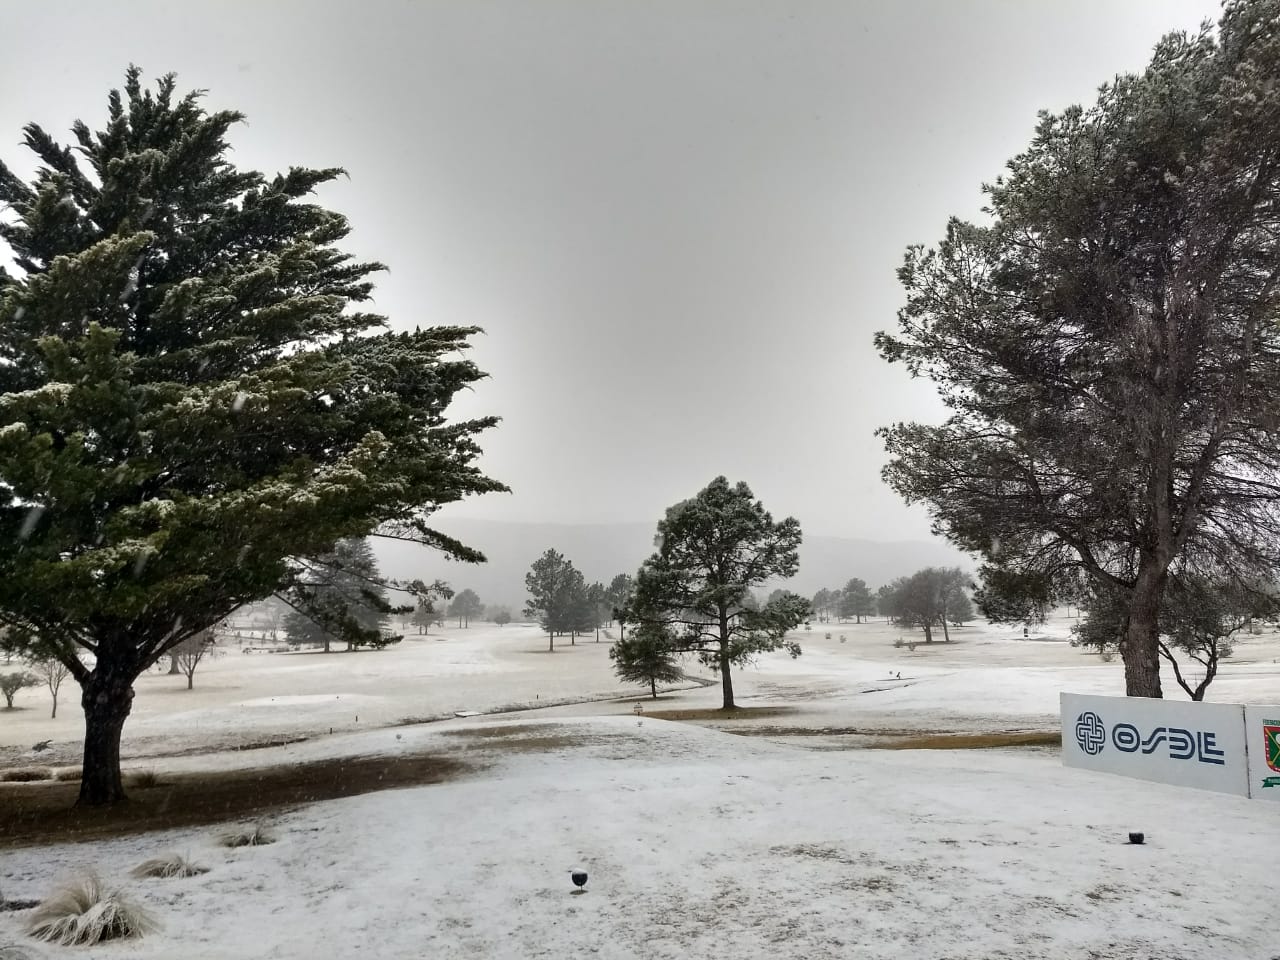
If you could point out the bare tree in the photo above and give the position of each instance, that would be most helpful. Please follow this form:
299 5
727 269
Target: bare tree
52 672
192 651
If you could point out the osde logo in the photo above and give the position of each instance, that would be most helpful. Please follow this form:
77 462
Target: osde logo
1198 745
1091 734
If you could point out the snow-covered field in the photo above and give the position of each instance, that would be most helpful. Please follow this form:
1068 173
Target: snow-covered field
699 843
702 844
987 678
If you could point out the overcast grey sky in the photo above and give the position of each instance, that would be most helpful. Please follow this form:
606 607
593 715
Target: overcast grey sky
678 222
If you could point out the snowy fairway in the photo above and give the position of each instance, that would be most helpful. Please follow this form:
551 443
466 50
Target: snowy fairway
699 843
702 844
987 678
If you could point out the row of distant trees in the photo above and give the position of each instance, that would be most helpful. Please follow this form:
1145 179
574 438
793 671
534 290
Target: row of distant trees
853 601
563 603
930 598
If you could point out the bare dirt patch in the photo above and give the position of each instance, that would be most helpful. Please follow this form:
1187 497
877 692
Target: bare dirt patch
35 813
541 738
497 731
737 713
971 741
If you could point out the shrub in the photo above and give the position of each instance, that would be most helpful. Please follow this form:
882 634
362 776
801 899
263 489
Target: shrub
85 912
255 836
170 865
899 643
25 774
68 774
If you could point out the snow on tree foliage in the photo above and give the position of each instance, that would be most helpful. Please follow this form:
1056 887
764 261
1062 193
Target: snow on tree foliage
696 589
1106 341
186 349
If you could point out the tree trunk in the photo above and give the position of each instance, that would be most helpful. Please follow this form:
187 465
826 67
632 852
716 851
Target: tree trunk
928 633
653 687
190 680
551 642
945 634
1140 648
54 715
173 665
726 679
107 699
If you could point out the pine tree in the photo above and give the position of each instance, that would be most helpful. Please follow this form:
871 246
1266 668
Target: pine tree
856 601
648 656
618 596
552 582
192 399
343 598
1105 340
713 550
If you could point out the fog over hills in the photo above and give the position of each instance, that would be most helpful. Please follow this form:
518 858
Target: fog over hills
602 551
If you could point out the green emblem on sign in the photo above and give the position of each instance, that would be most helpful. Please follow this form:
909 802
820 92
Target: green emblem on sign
1271 739
1271 782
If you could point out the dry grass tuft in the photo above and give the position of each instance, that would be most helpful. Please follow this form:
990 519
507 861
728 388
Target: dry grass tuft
255 836
85 912
68 774
25 774
144 779
170 865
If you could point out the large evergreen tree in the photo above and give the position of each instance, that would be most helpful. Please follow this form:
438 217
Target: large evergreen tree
192 400
713 549
1108 342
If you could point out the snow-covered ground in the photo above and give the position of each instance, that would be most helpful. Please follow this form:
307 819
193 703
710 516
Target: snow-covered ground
699 843
989 677
702 844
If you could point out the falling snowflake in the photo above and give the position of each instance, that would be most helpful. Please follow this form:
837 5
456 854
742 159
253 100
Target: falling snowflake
29 521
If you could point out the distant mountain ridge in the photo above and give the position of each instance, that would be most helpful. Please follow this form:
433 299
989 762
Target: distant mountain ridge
601 551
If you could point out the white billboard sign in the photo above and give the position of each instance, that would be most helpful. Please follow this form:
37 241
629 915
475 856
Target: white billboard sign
1262 736
1180 742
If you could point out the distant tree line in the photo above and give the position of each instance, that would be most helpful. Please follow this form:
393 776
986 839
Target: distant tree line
853 601
929 598
564 604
